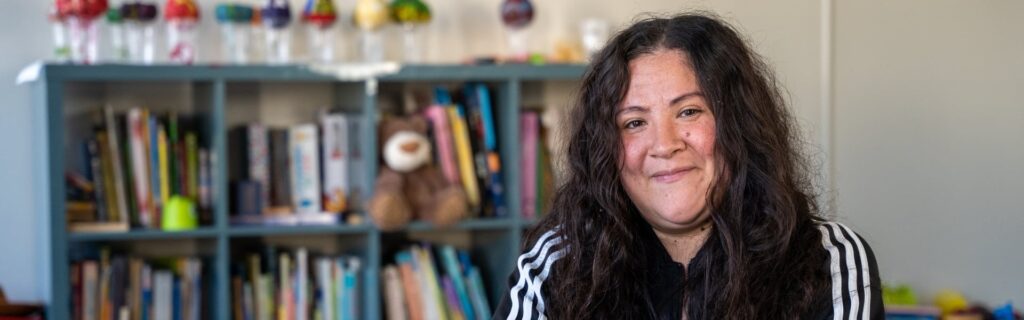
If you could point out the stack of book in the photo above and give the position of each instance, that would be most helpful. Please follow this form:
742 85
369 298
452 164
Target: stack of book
134 163
295 175
295 286
422 285
465 141
133 288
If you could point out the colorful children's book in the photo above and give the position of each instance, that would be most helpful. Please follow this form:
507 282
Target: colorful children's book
334 130
305 168
528 129
443 141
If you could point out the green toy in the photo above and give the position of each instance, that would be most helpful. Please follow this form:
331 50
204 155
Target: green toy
898 295
410 11
179 214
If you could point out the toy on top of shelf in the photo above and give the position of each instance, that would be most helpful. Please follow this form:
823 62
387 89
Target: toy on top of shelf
118 50
81 15
58 23
277 16
516 15
410 186
319 16
370 16
141 31
411 14
235 21
182 30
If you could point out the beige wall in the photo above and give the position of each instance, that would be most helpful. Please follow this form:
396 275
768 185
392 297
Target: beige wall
930 140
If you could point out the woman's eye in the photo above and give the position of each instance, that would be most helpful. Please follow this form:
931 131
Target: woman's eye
689 112
633 123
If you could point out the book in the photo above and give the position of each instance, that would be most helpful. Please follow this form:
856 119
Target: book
410 284
529 123
455 275
393 294
137 138
476 290
301 287
494 180
117 170
325 283
334 133
280 171
467 173
95 169
442 136
249 158
305 175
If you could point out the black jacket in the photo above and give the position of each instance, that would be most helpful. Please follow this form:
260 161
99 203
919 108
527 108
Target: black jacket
855 291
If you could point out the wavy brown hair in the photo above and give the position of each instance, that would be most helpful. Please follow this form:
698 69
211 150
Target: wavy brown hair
764 257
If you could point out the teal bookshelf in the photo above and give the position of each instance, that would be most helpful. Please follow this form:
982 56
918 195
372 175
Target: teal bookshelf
217 95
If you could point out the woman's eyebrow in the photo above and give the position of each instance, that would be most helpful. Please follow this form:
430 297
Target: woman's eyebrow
685 96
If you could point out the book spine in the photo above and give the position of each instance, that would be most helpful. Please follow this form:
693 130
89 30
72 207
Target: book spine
259 161
451 265
140 170
477 283
411 284
302 274
465 157
393 293
334 129
192 163
121 196
451 299
443 140
280 169
325 281
352 269
305 169
528 162
153 146
96 172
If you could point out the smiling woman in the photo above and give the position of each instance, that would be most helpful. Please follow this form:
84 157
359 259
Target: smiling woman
687 196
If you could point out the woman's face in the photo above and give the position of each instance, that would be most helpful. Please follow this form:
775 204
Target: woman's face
668 137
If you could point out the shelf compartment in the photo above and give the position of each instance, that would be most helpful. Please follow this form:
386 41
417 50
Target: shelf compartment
142 234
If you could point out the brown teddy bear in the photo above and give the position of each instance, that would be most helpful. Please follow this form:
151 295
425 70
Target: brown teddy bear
409 186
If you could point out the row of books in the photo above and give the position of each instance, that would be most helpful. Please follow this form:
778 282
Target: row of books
284 174
134 163
537 177
294 286
465 141
425 285
137 289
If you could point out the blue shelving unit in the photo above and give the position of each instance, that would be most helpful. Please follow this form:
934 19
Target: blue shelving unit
62 89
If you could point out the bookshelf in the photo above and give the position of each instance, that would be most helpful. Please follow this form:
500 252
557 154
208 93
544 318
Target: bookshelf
220 96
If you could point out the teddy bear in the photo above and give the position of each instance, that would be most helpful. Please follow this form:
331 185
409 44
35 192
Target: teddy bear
409 186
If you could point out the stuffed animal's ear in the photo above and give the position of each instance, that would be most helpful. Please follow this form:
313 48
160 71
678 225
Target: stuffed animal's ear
418 123
388 127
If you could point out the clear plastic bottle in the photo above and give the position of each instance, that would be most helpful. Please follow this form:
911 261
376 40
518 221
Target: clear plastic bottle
370 17
411 14
140 31
516 15
319 16
117 50
182 31
59 27
277 18
81 16
235 26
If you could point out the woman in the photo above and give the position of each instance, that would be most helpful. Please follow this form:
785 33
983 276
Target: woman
686 195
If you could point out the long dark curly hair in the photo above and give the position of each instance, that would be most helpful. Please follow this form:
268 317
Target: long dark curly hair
763 258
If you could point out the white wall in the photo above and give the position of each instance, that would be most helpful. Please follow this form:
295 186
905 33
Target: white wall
927 119
930 140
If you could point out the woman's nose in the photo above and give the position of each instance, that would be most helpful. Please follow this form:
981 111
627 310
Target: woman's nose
667 140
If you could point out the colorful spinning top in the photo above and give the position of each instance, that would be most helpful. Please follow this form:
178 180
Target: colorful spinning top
140 12
181 10
370 14
85 9
320 13
516 13
277 14
410 11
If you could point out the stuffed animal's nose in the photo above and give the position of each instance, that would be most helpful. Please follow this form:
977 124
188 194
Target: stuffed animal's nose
410 147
